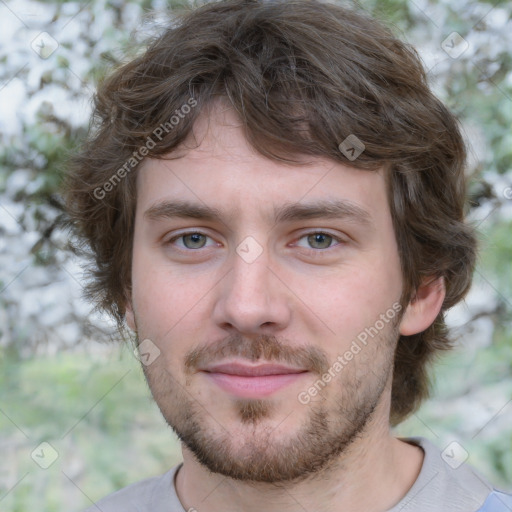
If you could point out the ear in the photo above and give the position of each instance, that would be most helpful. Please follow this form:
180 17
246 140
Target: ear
129 316
424 306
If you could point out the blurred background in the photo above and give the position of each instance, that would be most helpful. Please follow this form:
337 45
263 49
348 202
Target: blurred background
76 418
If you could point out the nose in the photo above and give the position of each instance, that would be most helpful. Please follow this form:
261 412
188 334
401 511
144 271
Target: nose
252 299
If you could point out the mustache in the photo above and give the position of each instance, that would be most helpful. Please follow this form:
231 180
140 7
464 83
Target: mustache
265 347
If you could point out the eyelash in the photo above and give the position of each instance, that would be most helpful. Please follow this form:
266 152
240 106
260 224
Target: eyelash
304 235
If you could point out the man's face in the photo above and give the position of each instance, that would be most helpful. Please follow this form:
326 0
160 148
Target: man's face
249 310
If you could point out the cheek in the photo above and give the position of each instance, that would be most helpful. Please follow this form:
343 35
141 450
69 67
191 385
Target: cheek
169 301
352 301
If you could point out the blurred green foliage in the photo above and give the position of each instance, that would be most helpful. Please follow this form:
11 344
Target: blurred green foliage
98 415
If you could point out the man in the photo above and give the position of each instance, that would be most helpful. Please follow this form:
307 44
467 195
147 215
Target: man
274 200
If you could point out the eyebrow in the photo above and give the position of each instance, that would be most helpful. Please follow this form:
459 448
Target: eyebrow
183 209
328 209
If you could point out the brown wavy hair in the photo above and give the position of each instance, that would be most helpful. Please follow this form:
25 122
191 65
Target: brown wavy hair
302 76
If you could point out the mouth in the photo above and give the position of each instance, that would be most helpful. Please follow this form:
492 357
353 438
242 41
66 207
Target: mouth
252 381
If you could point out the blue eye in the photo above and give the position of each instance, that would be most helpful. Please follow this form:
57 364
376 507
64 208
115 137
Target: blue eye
323 239
197 240
320 239
191 240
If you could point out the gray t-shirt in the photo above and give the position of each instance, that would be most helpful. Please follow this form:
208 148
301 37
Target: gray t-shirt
440 487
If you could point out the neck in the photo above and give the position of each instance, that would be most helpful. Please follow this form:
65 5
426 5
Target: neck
373 474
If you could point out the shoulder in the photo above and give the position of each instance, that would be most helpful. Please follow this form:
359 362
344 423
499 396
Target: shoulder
151 494
446 482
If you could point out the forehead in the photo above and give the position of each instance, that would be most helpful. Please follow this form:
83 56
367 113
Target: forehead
217 168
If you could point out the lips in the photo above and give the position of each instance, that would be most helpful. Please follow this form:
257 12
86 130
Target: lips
252 371
246 381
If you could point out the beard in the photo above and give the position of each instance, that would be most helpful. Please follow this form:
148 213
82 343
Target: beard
251 450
